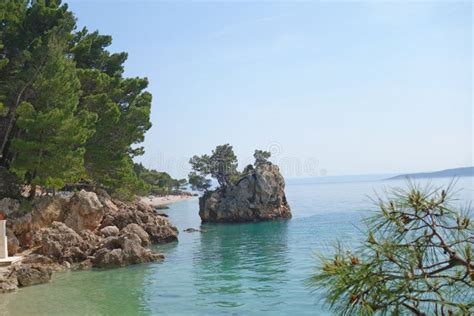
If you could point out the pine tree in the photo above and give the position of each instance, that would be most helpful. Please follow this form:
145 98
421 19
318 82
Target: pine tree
66 111
221 165
417 259
123 110
25 31
49 151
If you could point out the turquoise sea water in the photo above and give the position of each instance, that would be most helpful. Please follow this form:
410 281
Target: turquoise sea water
242 269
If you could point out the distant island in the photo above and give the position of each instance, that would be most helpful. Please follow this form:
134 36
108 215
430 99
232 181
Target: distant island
448 173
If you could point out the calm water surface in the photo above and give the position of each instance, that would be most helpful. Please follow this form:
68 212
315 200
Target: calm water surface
242 269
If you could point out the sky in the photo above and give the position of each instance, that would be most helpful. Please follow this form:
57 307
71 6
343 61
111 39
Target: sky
329 88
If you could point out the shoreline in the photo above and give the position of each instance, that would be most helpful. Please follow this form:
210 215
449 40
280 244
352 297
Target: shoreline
160 201
70 238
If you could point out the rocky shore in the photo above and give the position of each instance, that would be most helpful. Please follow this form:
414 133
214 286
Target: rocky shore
79 230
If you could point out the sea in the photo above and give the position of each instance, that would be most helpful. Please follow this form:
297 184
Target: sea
229 269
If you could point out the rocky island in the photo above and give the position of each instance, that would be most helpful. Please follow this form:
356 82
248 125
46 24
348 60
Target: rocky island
256 194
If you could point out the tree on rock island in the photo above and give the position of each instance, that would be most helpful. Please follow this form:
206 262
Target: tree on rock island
199 182
221 165
261 156
255 194
417 259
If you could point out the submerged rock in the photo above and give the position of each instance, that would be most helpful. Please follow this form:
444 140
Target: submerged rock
257 196
8 280
32 274
23 274
194 230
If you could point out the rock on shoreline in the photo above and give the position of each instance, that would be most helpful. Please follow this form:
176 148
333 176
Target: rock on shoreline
78 231
257 196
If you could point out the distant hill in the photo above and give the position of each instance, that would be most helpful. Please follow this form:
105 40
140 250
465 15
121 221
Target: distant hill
448 173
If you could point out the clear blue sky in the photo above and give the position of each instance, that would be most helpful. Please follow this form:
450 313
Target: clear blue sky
330 88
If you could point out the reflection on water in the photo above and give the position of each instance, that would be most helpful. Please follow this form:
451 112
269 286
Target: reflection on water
238 261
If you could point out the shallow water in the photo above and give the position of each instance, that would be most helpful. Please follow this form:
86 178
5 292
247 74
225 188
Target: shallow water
242 269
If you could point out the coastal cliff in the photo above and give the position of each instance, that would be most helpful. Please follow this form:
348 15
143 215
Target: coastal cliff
78 231
259 195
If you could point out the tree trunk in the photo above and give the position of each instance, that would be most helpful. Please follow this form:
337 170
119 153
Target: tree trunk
32 192
12 112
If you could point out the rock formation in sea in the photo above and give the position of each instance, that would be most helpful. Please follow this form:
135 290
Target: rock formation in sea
259 195
78 231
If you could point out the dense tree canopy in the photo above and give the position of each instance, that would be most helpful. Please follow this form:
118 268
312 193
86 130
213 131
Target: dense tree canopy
417 259
66 111
159 183
50 148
